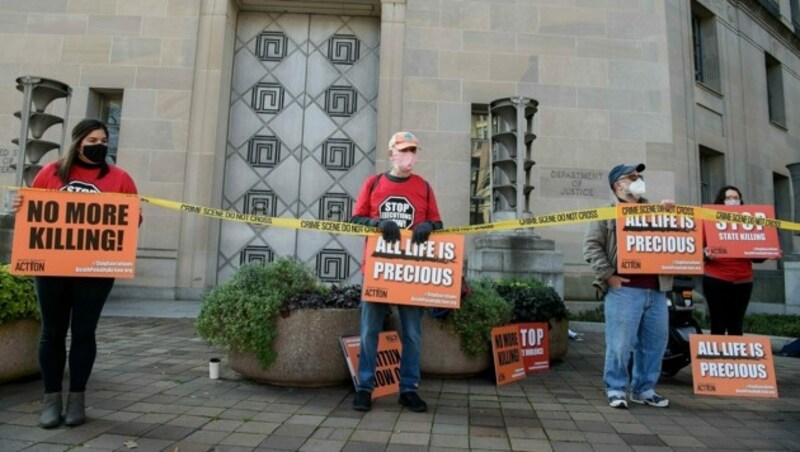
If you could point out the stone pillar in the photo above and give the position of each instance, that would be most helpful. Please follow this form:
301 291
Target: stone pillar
791 262
519 253
794 173
390 83
206 147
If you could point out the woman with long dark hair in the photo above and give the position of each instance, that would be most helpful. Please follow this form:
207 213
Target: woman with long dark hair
74 302
727 282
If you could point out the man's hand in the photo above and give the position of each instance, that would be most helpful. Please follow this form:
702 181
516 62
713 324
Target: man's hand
668 203
615 281
391 231
422 231
16 203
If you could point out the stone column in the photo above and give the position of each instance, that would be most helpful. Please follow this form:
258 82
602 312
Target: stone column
390 87
520 253
791 262
206 146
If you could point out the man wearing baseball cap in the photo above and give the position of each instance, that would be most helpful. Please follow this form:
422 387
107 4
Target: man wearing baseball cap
393 201
635 304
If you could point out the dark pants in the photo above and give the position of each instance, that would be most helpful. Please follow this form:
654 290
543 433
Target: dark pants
65 303
727 304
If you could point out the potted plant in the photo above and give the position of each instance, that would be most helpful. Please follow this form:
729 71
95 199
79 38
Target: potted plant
19 327
280 325
533 301
460 343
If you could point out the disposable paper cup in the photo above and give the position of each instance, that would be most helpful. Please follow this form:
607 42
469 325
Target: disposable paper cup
213 368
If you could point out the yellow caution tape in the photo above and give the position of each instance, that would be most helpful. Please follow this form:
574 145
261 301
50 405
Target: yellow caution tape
552 219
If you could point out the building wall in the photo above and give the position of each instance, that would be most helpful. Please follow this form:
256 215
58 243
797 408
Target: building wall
598 69
145 48
614 81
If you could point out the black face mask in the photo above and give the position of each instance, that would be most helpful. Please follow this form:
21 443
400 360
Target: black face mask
96 153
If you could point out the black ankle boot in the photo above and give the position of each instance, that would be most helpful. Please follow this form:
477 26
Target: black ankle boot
51 410
76 409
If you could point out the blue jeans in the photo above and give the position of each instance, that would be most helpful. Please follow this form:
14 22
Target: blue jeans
372 315
636 320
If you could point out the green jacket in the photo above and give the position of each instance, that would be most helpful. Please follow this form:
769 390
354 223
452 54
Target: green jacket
600 251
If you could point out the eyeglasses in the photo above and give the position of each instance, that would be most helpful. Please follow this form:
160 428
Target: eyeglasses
409 149
632 177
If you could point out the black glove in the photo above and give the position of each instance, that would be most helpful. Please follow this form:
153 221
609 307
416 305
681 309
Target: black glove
422 231
391 231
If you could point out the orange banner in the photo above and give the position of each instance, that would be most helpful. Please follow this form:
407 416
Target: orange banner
732 366
75 234
387 372
653 240
508 365
426 274
535 346
749 241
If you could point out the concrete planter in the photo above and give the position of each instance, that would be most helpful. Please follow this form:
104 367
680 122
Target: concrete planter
559 339
308 348
442 356
19 347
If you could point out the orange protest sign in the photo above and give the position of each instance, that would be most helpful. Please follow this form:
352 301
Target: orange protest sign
75 234
749 241
426 274
654 240
387 372
535 346
508 365
732 366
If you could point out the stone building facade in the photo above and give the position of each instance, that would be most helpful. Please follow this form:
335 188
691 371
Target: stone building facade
284 107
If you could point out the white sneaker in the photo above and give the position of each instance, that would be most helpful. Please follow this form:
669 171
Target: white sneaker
654 400
617 401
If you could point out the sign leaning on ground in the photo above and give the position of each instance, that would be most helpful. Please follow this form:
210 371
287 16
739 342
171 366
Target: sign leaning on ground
75 234
748 241
507 351
425 274
387 372
732 366
535 346
655 240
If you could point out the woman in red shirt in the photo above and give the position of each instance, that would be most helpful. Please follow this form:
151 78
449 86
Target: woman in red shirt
727 282
74 302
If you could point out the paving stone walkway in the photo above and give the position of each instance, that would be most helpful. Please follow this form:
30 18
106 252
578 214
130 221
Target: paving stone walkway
150 391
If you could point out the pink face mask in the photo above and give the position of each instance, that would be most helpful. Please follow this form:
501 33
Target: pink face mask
405 161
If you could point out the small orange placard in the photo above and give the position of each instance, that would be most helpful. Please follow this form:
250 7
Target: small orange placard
535 346
508 365
653 240
748 241
75 234
387 372
426 274
732 366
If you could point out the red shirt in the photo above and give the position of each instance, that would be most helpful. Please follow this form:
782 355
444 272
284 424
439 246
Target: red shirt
732 270
408 202
85 180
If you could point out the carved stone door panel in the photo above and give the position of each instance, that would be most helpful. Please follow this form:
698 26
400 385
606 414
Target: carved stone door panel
301 136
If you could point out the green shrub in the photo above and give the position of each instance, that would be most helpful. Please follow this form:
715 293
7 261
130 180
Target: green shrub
481 311
240 315
597 314
337 297
773 325
532 300
17 297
